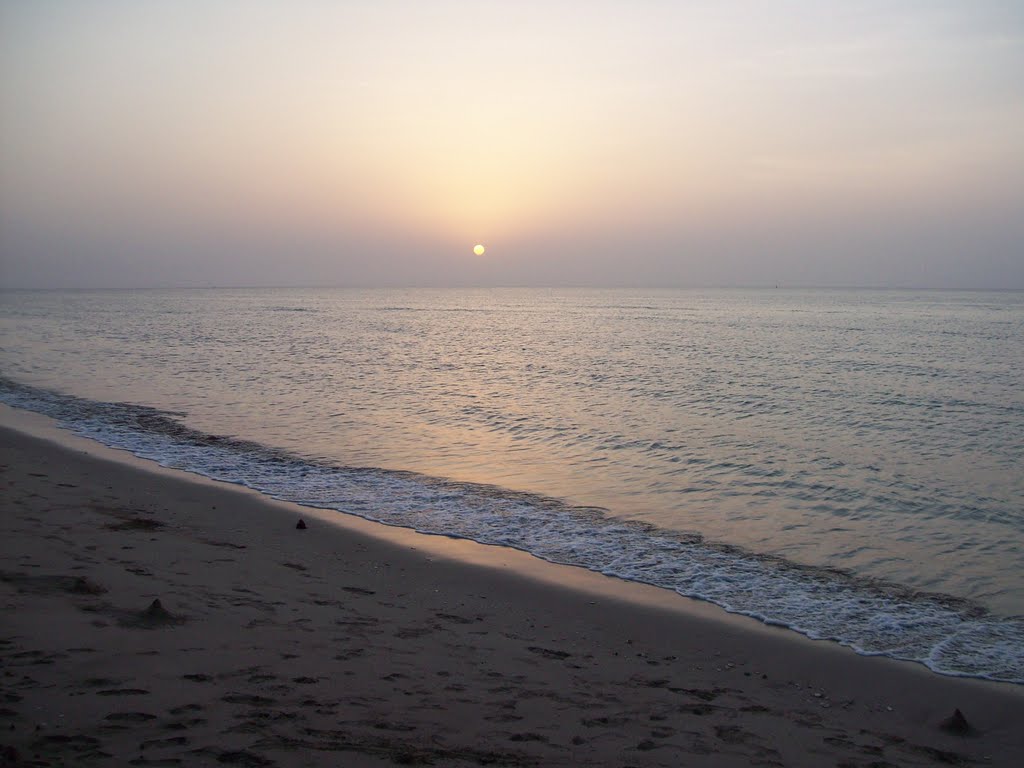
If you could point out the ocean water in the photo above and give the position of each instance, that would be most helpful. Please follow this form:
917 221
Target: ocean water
849 464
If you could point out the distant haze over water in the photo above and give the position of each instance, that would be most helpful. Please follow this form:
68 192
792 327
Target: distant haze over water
847 463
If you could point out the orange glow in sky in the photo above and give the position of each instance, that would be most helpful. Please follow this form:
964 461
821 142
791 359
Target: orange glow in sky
660 143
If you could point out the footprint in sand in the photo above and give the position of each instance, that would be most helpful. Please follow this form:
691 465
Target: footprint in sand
99 682
184 725
132 523
186 708
732 734
248 698
548 653
130 717
359 591
171 741
241 757
697 709
455 619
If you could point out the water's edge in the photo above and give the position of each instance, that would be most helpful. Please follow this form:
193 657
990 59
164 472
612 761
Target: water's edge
949 635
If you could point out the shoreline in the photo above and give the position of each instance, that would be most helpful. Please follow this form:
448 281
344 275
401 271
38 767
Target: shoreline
814 588
356 641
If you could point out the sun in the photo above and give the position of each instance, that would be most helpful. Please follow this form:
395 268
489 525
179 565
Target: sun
479 249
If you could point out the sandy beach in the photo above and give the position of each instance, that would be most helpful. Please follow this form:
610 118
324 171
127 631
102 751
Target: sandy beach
346 643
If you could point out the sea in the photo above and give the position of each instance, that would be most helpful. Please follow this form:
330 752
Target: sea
845 463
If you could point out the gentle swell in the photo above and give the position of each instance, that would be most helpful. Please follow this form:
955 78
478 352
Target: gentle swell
949 635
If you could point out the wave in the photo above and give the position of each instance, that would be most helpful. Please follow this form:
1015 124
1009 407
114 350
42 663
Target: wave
949 635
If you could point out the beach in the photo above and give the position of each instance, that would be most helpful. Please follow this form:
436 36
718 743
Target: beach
558 384
351 643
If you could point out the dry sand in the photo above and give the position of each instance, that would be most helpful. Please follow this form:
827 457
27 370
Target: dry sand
351 644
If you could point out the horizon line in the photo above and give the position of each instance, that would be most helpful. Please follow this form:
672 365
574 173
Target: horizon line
504 286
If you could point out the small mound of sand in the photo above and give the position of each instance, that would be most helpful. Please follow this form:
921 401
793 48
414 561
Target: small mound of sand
152 617
957 723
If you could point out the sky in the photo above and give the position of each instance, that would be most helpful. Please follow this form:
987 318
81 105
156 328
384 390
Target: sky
648 143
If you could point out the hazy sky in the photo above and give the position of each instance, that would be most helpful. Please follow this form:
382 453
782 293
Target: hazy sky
593 143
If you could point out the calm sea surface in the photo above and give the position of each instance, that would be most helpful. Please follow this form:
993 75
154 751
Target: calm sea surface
846 463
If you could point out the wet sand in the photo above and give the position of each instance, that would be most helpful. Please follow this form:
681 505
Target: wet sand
351 644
